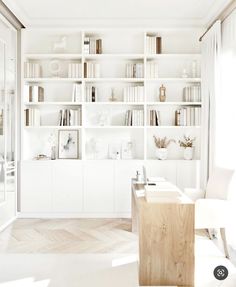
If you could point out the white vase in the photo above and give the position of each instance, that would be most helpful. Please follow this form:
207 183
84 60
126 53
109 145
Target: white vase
161 153
188 153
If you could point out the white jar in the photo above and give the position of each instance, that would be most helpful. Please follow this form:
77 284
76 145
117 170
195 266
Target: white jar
162 153
188 153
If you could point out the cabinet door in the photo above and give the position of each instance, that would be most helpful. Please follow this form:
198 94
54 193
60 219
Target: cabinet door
67 186
99 187
124 172
188 174
36 186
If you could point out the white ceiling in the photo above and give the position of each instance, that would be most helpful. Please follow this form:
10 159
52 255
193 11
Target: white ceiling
133 12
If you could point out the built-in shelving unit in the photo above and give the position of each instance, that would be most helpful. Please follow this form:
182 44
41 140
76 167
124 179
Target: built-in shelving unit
104 122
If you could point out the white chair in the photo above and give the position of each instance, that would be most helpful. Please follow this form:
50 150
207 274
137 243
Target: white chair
212 211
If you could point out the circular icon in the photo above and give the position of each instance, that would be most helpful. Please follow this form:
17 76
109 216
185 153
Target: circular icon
221 272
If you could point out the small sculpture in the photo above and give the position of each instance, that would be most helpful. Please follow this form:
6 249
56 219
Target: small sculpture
112 98
60 46
184 73
162 93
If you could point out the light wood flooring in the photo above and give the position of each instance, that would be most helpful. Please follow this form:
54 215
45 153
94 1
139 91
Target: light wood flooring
69 236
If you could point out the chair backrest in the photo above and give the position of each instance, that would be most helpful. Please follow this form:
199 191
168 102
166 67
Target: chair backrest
218 183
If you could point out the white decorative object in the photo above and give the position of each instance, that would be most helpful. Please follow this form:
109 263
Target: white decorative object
162 153
55 67
194 69
188 153
184 73
61 45
114 151
127 150
103 119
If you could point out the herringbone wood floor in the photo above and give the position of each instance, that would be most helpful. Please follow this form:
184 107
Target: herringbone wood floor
69 236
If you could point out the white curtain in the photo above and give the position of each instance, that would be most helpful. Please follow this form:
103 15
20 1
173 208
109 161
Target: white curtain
225 155
211 48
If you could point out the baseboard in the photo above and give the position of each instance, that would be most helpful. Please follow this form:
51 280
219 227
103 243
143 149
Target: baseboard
73 215
5 225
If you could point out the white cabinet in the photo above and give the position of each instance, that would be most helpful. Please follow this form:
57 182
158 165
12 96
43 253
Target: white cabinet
188 174
165 168
67 186
124 172
99 187
36 187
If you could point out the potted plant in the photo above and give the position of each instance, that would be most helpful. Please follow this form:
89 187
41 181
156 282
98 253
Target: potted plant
187 144
161 145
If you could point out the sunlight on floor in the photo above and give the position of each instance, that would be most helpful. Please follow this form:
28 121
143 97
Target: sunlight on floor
26 282
124 260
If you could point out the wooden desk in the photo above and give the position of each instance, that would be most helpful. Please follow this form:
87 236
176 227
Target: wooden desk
166 240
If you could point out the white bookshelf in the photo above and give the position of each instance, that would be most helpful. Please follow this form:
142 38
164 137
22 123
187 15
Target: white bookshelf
179 49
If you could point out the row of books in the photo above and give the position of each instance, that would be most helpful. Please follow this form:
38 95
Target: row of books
135 70
133 94
189 116
69 117
92 46
91 70
32 117
74 70
77 93
34 93
134 118
154 118
192 93
153 45
152 70
32 70
91 94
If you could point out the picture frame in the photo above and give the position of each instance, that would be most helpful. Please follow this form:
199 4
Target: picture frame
68 144
127 149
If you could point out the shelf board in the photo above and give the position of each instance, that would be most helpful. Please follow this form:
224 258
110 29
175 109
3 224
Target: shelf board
114 80
116 56
183 80
53 104
115 103
171 56
53 56
173 127
53 79
174 103
114 127
54 127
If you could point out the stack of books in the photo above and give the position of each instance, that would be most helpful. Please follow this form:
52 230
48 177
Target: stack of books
75 70
152 70
134 70
32 70
32 117
154 118
91 70
133 94
134 118
69 117
192 93
153 45
92 46
77 92
91 94
189 116
34 93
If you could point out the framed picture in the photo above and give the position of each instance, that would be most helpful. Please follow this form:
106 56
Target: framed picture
68 144
127 150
